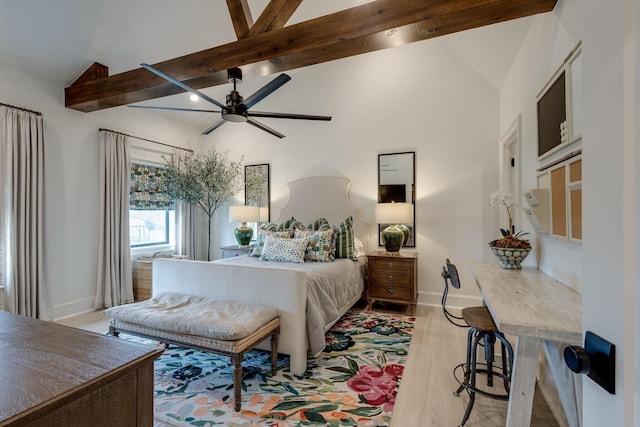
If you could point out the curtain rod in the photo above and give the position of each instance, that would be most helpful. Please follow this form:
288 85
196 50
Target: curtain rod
148 140
20 108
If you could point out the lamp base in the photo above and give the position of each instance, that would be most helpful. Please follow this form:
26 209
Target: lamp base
244 234
392 237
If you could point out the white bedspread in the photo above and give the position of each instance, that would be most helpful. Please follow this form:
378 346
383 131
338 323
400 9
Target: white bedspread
332 287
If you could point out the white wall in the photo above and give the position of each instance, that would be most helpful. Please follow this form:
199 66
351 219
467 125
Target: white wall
550 39
416 97
610 205
71 181
604 268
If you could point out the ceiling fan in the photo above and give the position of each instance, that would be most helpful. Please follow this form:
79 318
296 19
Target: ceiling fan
237 108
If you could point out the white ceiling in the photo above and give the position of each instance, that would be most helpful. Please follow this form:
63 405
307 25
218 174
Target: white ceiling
59 39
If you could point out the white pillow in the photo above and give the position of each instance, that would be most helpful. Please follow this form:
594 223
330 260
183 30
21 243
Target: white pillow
358 247
284 250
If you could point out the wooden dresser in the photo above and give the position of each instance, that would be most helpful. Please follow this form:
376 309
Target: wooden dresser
393 278
53 375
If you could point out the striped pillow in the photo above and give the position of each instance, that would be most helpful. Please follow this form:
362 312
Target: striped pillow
320 224
344 240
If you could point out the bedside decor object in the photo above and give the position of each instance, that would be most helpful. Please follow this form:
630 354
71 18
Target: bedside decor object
244 214
396 183
510 249
396 215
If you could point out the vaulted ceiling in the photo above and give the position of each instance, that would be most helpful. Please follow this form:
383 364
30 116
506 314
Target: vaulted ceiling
197 40
267 45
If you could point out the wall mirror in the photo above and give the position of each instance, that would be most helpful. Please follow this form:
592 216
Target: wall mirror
396 183
257 189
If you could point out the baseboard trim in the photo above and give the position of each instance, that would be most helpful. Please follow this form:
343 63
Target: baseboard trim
454 302
73 308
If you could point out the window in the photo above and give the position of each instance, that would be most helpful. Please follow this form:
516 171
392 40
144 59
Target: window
151 211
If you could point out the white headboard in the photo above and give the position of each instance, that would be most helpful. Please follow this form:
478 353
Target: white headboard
327 197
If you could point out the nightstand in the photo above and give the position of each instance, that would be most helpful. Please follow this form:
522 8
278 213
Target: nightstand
142 279
393 278
235 250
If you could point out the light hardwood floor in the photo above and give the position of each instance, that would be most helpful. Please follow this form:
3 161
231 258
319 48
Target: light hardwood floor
426 395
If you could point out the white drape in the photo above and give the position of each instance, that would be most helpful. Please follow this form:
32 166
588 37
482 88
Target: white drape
114 284
187 239
22 219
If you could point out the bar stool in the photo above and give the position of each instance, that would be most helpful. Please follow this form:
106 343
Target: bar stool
482 332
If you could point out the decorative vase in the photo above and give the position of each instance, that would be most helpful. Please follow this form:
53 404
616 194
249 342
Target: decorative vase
510 258
244 234
392 238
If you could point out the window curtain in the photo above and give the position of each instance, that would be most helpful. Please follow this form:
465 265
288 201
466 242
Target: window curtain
114 282
187 239
22 214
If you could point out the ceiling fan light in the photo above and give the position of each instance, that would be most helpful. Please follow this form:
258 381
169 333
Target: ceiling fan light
234 117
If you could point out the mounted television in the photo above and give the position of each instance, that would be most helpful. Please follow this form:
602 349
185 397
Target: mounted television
552 116
393 193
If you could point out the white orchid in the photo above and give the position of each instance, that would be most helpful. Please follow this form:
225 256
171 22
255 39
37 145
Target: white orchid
507 200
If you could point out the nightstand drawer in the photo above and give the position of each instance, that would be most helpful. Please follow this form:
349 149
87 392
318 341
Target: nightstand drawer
397 265
391 292
388 277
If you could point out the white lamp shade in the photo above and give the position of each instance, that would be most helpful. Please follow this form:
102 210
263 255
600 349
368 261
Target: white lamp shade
243 213
394 213
264 214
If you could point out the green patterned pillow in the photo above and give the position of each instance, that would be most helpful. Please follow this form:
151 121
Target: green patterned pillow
344 240
284 250
290 224
262 234
269 226
320 224
321 246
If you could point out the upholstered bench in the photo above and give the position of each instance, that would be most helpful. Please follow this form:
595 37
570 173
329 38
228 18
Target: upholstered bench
226 327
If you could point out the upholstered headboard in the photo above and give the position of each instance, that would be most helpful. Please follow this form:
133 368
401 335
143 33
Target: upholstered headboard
324 196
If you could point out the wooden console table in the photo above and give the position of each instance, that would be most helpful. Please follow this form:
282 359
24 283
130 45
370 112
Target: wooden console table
533 307
54 375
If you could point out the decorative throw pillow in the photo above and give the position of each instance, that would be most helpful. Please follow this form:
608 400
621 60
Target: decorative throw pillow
284 250
290 224
320 224
358 247
257 249
321 246
269 226
344 240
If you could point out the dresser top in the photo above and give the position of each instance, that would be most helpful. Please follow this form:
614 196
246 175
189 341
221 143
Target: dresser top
401 254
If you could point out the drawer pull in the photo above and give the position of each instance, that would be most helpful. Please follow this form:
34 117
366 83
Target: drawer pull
389 278
389 264
390 290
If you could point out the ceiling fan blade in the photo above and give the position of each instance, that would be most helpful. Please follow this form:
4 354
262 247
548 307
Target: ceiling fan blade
287 116
182 85
264 127
151 107
214 126
267 89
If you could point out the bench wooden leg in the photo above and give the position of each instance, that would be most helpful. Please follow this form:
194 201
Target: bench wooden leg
274 351
236 359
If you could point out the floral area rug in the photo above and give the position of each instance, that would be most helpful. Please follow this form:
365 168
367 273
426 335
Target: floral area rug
354 381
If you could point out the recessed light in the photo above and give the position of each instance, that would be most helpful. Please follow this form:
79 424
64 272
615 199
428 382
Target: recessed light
194 97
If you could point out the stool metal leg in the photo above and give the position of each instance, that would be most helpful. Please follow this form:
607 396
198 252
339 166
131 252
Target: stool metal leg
471 385
489 343
470 334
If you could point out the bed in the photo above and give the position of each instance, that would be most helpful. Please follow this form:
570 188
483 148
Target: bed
310 297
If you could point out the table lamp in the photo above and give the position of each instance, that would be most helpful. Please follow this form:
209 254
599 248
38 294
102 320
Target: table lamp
396 215
244 214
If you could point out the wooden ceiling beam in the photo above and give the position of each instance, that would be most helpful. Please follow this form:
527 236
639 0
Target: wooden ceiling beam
274 16
373 26
240 17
